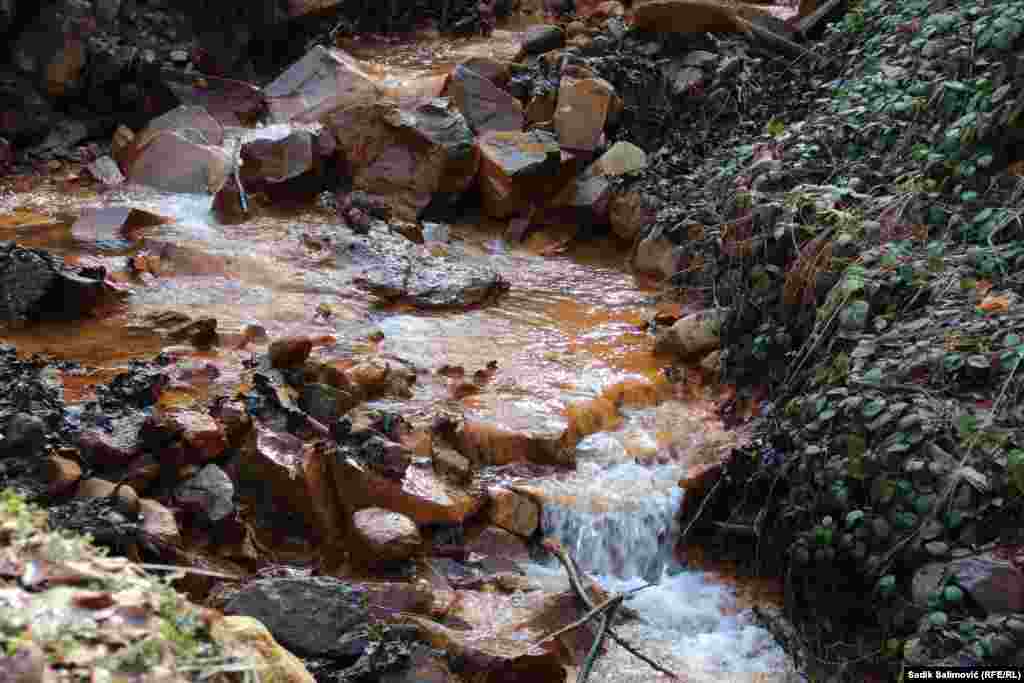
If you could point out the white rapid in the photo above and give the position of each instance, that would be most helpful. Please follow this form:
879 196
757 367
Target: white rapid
618 518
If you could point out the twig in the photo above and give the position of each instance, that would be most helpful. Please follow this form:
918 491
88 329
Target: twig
604 606
190 570
700 510
595 649
577 586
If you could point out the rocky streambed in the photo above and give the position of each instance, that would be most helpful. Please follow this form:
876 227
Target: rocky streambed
354 363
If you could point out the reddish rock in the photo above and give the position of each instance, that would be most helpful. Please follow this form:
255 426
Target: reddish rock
290 352
114 448
125 498
694 16
405 156
229 102
485 106
323 81
518 169
486 443
62 474
277 159
385 536
631 213
513 511
496 71
201 436
582 112
169 161
159 522
112 223
420 494
497 542
541 108
201 127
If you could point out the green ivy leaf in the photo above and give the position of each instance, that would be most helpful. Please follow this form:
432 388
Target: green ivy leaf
872 408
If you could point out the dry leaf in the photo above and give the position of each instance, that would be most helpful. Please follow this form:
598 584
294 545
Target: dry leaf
995 304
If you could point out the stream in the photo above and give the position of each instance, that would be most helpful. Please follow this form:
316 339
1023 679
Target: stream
572 324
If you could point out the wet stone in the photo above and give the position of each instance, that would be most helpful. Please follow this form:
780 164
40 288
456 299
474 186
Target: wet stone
208 495
385 535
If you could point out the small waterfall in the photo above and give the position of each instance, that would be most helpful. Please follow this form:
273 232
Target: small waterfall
622 522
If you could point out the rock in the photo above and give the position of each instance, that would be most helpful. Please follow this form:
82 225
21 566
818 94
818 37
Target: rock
172 163
277 159
686 80
513 511
582 112
386 536
406 156
193 123
208 495
631 212
496 71
495 542
994 583
62 474
541 39
692 336
201 333
325 403
106 171
590 192
435 282
290 352
541 107
450 463
249 639
323 81
113 223
517 169
229 102
656 254
52 48
25 436
692 16
310 616
35 284
25 115
201 436
485 106
420 494
125 498
277 470
488 443
486 654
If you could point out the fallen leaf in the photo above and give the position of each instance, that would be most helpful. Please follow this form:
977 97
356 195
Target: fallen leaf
995 304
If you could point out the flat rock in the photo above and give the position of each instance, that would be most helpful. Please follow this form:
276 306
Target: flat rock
435 282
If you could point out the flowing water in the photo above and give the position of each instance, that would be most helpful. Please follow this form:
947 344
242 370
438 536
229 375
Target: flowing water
571 326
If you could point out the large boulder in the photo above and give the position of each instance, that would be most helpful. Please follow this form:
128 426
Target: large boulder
405 156
485 106
582 112
310 616
324 80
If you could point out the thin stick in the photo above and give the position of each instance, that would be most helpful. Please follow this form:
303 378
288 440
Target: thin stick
604 606
602 633
577 587
190 570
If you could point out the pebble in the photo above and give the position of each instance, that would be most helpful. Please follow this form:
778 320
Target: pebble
179 56
937 548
